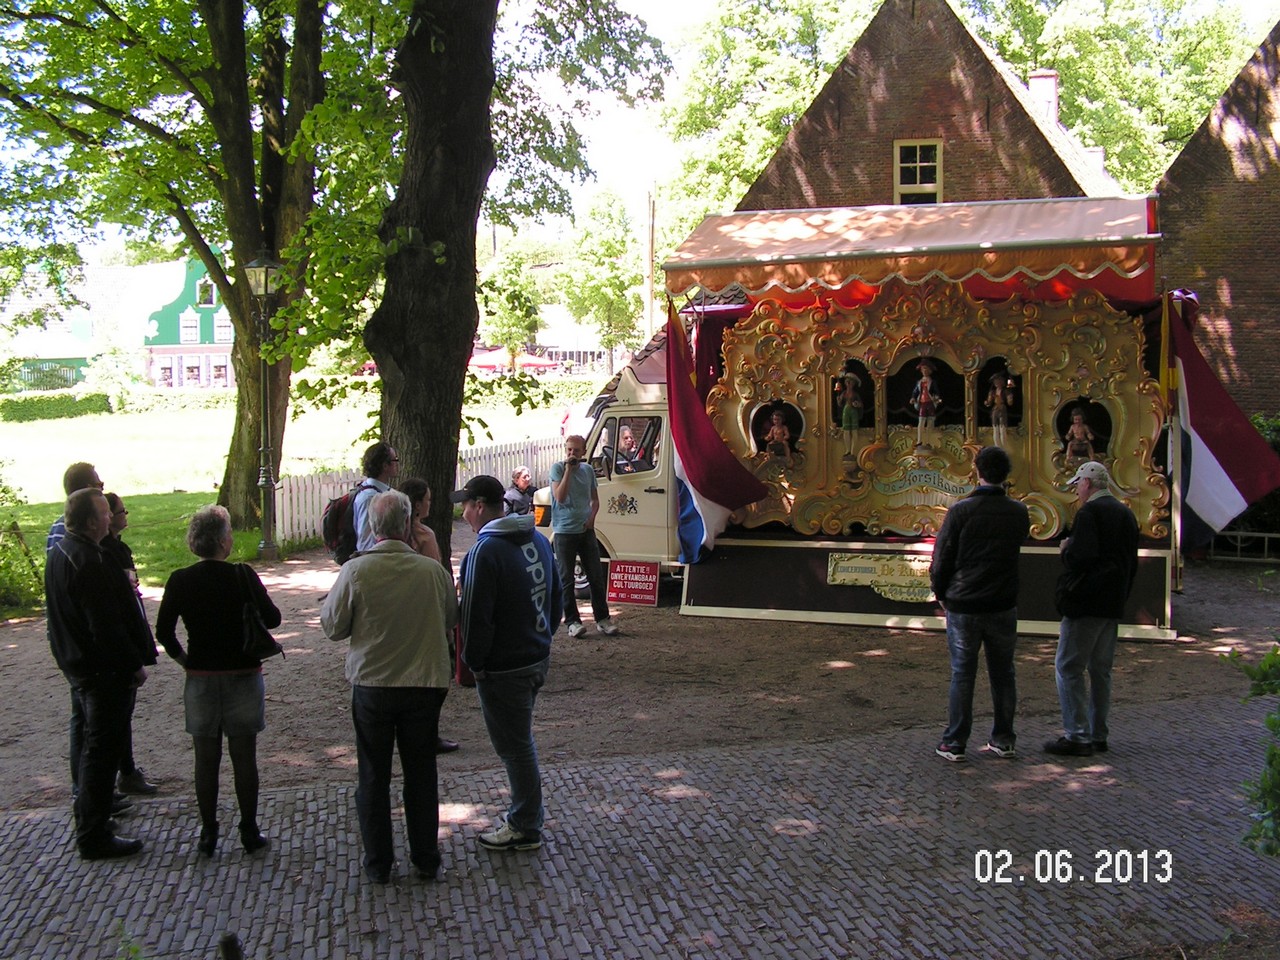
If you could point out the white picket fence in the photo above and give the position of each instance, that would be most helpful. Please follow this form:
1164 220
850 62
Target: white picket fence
300 501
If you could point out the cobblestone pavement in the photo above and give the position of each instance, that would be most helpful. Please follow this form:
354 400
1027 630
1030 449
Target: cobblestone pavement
862 847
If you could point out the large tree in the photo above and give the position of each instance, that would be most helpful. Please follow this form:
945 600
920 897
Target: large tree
215 121
447 74
154 115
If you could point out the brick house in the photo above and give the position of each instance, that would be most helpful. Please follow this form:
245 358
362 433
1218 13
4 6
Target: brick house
921 111
1218 203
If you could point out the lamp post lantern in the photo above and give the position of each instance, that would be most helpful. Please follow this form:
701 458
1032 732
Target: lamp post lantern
263 276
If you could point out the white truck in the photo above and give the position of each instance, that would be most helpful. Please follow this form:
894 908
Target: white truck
637 518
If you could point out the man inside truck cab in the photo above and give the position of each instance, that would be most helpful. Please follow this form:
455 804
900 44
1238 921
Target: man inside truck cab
575 501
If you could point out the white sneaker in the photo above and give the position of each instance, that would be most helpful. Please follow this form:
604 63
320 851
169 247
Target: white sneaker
576 629
507 837
607 627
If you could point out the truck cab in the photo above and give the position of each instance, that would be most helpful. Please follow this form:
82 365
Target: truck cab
629 447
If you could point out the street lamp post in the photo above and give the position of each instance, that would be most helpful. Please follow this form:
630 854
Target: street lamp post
263 276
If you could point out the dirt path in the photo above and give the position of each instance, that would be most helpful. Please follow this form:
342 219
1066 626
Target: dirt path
667 683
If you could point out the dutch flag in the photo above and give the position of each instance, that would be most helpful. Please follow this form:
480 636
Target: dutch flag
711 482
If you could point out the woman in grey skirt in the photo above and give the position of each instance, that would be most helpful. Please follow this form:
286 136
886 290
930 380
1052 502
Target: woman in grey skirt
224 690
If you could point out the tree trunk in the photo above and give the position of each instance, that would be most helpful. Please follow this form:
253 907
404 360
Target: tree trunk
261 217
240 492
422 332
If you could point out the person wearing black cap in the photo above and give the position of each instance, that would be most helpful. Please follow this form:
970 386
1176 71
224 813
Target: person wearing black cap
510 609
1099 561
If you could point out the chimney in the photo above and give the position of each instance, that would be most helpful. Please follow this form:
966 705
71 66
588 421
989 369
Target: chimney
1099 157
1043 85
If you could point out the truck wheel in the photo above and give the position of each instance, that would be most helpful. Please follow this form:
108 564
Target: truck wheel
581 588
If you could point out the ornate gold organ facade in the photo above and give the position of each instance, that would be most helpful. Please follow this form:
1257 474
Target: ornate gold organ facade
1055 363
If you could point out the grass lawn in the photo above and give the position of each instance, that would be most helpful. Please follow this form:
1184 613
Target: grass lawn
167 464
169 451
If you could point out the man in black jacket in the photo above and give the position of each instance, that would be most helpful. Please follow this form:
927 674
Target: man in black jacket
96 630
974 574
1099 560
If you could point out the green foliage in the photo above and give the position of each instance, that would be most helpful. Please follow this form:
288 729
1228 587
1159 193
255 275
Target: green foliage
510 301
519 391
11 375
356 137
52 406
1264 793
142 398
113 373
37 274
157 533
1263 516
21 559
1135 77
550 57
129 948
759 66
604 280
1269 427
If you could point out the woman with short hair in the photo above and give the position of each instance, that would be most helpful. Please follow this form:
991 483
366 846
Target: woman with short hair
224 693
519 496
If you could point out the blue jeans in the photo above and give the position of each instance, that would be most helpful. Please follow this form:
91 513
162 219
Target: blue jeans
506 702
384 718
997 633
582 546
1085 643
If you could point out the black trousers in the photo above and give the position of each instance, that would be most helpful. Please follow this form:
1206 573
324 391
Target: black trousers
105 702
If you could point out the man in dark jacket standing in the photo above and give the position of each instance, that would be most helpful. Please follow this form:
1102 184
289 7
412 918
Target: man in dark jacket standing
98 636
510 609
1099 560
974 574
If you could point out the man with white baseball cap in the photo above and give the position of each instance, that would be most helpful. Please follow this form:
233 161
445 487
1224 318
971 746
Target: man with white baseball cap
1100 560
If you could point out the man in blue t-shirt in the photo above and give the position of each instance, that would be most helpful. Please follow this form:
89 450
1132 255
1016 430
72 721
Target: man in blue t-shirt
381 466
575 501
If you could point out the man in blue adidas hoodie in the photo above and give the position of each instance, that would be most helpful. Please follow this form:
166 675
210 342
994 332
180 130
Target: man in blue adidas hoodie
510 608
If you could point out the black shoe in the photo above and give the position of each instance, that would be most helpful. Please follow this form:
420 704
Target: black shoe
208 842
430 875
135 781
1062 747
445 746
113 848
252 840
376 876
1099 746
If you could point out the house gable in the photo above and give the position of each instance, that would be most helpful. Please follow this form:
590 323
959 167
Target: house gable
918 74
1217 213
195 316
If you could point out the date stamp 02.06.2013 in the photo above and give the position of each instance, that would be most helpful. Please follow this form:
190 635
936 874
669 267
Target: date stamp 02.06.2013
1119 866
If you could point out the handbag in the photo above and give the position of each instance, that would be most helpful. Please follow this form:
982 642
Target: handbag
258 641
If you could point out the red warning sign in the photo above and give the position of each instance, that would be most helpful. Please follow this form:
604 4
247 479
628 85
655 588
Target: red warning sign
633 581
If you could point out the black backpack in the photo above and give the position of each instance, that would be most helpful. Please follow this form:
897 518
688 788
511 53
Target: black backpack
338 525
